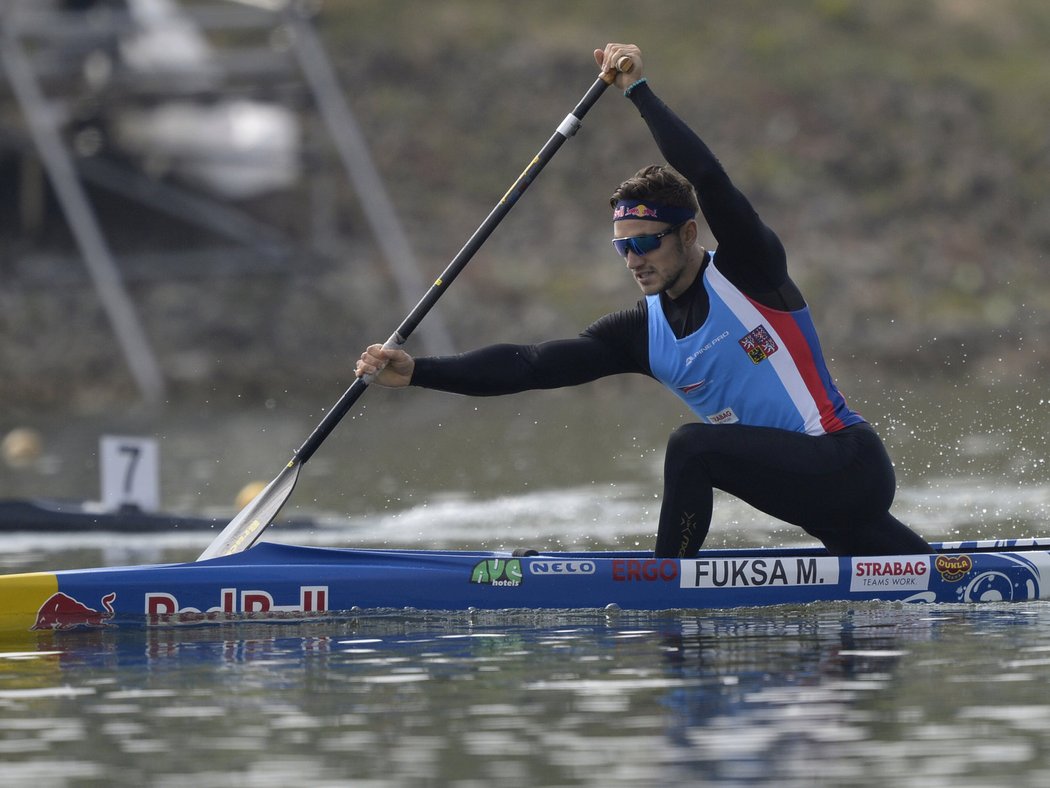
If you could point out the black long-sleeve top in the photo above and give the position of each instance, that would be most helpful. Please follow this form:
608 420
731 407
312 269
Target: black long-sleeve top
749 254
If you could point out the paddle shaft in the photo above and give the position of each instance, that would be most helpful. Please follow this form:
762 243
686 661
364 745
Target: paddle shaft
246 528
567 128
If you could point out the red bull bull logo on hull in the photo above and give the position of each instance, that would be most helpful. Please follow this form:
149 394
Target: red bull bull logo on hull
61 612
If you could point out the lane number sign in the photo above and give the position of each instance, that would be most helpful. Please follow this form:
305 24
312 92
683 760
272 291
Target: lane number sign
130 472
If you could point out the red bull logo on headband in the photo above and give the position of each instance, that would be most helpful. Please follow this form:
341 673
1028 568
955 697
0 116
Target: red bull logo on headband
637 212
649 211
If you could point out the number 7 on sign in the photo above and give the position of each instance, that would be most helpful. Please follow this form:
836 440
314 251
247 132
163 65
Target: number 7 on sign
133 453
130 474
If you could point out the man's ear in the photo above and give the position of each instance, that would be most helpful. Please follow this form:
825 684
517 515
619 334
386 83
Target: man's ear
690 232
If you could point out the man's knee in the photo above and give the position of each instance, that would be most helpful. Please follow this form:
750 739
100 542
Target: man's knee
686 440
695 442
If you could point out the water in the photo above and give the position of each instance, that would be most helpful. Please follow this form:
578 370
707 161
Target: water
812 696
825 695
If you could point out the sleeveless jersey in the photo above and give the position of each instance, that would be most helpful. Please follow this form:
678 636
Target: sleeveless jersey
748 363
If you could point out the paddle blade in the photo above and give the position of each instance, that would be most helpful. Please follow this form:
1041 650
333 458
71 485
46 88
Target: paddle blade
251 521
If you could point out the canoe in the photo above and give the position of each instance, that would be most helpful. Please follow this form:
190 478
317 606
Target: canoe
70 516
286 582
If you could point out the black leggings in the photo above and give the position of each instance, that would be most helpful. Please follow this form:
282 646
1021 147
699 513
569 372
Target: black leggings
837 487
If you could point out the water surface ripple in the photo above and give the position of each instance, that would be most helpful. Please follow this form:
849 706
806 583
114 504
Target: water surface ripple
821 695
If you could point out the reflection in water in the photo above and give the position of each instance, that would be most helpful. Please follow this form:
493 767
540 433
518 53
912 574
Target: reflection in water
775 693
817 695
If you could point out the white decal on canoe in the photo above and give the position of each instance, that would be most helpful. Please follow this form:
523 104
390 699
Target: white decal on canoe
758 572
543 567
312 599
877 573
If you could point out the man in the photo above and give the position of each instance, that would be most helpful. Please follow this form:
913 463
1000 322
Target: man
728 332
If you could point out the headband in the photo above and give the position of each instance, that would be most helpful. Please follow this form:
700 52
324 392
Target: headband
651 212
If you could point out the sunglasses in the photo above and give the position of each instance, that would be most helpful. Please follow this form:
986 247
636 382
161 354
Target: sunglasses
642 244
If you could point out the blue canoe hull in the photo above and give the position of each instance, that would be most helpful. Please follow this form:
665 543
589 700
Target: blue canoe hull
273 581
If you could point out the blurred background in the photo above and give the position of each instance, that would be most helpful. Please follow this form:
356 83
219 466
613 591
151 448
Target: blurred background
209 208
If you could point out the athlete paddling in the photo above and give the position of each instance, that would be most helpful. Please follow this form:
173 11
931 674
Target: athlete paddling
727 331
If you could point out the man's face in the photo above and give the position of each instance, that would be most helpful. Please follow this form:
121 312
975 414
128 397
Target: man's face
661 268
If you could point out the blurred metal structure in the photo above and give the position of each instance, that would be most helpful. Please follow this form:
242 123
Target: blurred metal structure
77 209
179 109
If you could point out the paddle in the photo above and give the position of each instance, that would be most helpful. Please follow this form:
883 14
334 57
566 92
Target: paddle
244 529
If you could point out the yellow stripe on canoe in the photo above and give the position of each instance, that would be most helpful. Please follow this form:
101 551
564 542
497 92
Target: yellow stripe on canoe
21 597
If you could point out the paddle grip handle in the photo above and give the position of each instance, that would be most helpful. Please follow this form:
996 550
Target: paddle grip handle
624 66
